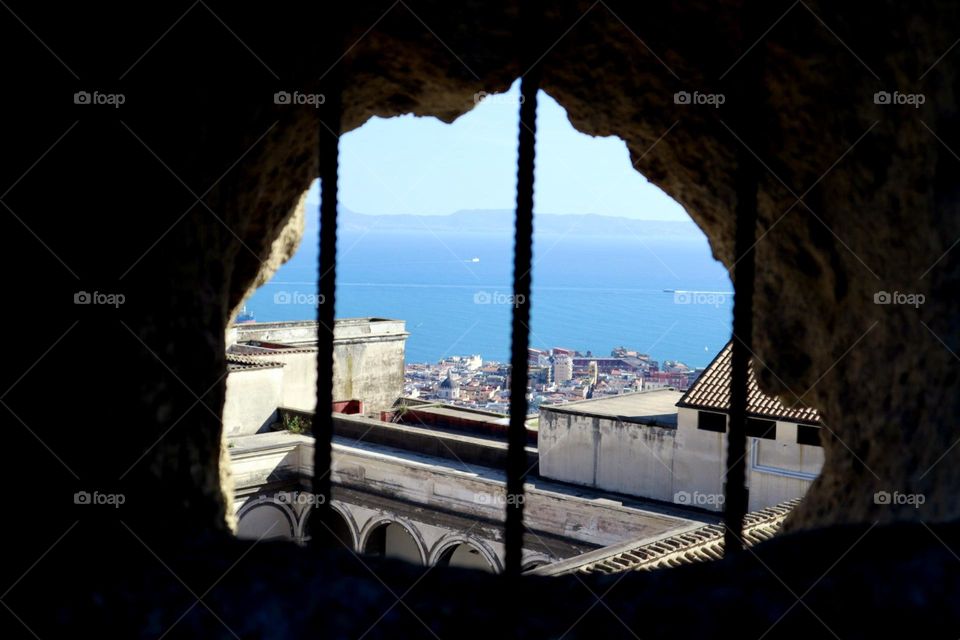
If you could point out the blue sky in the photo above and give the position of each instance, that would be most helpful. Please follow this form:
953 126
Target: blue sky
423 166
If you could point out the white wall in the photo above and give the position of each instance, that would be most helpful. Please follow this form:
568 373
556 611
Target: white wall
607 454
699 464
635 459
251 401
781 469
567 447
686 466
299 379
367 371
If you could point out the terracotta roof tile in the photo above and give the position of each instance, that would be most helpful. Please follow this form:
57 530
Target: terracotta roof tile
697 545
243 363
711 392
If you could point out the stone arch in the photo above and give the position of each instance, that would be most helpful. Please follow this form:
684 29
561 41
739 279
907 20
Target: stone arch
377 523
534 560
350 531
448 544
282 513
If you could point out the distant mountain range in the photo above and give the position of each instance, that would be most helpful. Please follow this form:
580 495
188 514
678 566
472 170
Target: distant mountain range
501 220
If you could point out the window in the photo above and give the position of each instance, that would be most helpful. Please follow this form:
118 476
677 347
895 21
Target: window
709 421
757 428
809 435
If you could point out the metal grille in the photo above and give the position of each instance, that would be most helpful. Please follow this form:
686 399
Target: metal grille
747 96
736 496
328 150
520 334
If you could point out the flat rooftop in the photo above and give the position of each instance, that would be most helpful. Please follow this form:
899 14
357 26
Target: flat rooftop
453 411
303 333
657 407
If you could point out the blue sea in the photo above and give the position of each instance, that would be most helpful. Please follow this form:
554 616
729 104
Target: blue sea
590 293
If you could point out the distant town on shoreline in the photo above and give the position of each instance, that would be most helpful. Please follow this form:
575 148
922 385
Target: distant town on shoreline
556 376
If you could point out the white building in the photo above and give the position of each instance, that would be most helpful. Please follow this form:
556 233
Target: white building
562 368
273 365
784 453
449 389
668 446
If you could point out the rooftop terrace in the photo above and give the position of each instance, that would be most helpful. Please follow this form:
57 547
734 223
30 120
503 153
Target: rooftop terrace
657 407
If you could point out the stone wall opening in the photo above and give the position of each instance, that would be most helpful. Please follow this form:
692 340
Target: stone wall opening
465 555
393 540
857 199
266 520
341 529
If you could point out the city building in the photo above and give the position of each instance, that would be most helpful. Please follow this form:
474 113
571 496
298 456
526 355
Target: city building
417 480
562 367
784 452
449 389
272 365
667 445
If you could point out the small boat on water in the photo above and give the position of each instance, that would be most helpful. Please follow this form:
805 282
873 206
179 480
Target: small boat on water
244 316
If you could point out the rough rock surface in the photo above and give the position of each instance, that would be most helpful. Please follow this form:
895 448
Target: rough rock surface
183 197
854 198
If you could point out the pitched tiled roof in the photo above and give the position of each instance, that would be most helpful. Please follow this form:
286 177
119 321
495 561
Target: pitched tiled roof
696 545
243 363
711 392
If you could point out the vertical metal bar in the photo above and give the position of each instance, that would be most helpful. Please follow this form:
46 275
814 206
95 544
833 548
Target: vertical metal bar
736 498
520 338
748 98
330 116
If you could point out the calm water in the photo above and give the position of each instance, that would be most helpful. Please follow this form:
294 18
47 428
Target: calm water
590 293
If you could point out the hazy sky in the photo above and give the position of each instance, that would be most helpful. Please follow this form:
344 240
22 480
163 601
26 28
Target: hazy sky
423 166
